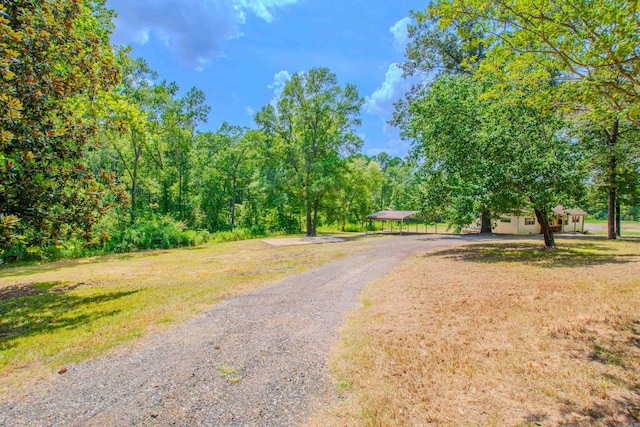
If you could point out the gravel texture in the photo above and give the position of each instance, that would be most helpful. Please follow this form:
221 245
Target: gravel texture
258 359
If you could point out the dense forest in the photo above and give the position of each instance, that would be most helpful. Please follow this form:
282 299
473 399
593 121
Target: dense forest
517 108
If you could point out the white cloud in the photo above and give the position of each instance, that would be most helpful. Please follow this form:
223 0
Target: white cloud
194 30
250 111
280 80
264 8
381 101
400 34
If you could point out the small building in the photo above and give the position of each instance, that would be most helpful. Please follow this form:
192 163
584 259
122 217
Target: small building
568 220
392 217
562 220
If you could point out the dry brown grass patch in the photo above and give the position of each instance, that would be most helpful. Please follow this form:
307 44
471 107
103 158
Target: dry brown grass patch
497 334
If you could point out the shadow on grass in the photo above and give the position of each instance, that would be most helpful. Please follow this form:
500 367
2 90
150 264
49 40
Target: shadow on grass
40 308
621 411
577 255
613 346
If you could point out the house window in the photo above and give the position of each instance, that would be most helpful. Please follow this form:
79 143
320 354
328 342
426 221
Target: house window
576 219
507 220
529 221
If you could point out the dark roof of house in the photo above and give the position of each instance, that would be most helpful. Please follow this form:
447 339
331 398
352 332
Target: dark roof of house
391 215
560 210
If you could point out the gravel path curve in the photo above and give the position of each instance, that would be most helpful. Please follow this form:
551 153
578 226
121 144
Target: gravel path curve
257 359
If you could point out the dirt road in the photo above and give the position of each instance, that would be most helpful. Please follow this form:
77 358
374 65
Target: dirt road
256 359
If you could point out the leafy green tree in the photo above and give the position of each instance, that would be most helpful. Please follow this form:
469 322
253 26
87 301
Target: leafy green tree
532 157
180 120
209 184
592 44
477 152
55 55
226 157
233 159
354 197
613 166
448 114
134 109
389 166
433 50
314 123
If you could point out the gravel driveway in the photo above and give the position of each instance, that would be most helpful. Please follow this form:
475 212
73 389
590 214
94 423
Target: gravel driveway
258 359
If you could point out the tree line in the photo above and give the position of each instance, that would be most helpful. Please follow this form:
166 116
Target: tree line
517 106
100 153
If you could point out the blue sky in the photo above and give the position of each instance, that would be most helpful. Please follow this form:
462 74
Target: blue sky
240 52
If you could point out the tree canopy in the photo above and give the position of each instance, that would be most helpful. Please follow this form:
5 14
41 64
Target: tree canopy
312 127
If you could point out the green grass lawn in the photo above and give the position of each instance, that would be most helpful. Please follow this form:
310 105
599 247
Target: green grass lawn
68 311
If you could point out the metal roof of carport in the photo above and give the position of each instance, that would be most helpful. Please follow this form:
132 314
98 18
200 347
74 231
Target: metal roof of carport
391 215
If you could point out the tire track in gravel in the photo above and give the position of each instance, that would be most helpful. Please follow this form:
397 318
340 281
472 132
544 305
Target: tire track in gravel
258 359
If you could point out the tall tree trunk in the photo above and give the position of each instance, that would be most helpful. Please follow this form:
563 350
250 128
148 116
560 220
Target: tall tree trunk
611 206
612 138
180 192
165 197
545 227
307 208
233 201
485 219
618 219
307 202
137 151
316 204
134 190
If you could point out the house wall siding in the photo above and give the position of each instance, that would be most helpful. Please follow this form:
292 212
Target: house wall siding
570 226
516 226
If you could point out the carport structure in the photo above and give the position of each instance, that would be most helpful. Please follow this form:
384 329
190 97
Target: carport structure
391 216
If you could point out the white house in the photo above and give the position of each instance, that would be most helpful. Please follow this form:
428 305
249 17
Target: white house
562 220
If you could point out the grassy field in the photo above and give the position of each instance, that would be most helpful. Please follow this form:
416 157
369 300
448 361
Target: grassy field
598 227
68 311
496 334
